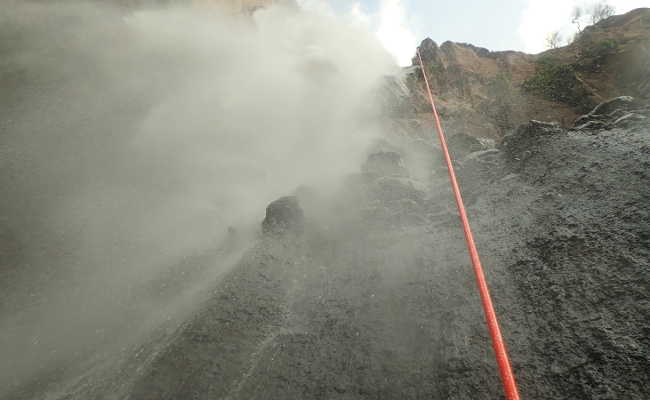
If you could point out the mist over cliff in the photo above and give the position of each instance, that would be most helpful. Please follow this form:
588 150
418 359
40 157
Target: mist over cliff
206 202
132 140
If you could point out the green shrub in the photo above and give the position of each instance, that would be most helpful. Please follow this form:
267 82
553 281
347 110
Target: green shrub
593 54
558 82
601 49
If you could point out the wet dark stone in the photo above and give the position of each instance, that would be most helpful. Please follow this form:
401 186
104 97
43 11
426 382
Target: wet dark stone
385 163
526 139
462 144
283 216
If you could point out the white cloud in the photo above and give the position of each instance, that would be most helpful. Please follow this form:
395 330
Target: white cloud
390 25
319 6
393 31
359 16
543 17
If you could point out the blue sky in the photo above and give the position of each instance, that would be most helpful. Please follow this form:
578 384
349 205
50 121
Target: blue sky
495 24
484 23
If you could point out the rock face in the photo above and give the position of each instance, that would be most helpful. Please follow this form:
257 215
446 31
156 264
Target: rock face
524 142
382 304
580 266
477 90
488 94
462 144
283 216
385 163
391 311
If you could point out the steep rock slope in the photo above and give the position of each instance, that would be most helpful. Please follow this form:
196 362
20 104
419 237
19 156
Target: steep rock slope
385 306
376 299
486 94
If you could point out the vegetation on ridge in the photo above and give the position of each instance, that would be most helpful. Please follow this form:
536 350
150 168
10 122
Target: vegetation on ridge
558 81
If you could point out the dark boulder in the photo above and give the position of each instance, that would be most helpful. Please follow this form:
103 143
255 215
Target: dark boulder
284 216
385 163
520 144
462 144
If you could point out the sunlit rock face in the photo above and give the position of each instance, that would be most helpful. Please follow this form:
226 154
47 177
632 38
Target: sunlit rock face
485 93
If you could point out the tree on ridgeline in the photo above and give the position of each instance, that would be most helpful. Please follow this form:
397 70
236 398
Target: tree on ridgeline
600 11
553 40
593 13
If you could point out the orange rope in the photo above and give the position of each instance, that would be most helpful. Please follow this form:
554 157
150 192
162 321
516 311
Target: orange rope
509 384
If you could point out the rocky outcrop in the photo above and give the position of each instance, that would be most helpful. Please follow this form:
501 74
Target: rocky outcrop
284 216
366 312
462 144
488 94
385 163
476 89
385 305
524 142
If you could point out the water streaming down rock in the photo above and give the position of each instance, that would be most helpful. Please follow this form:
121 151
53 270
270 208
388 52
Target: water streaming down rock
390 310
125 165
367 293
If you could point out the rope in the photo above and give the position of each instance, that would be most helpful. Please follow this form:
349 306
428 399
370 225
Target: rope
507 377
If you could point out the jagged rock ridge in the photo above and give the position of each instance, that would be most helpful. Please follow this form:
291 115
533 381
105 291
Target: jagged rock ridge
487 94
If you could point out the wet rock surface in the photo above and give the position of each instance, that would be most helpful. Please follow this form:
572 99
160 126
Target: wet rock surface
461 144
353 310
369 294
582 269
385 163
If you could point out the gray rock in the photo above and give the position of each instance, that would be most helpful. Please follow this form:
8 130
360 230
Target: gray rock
284 216
385 163
523 141
461 144
480 155
397 188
